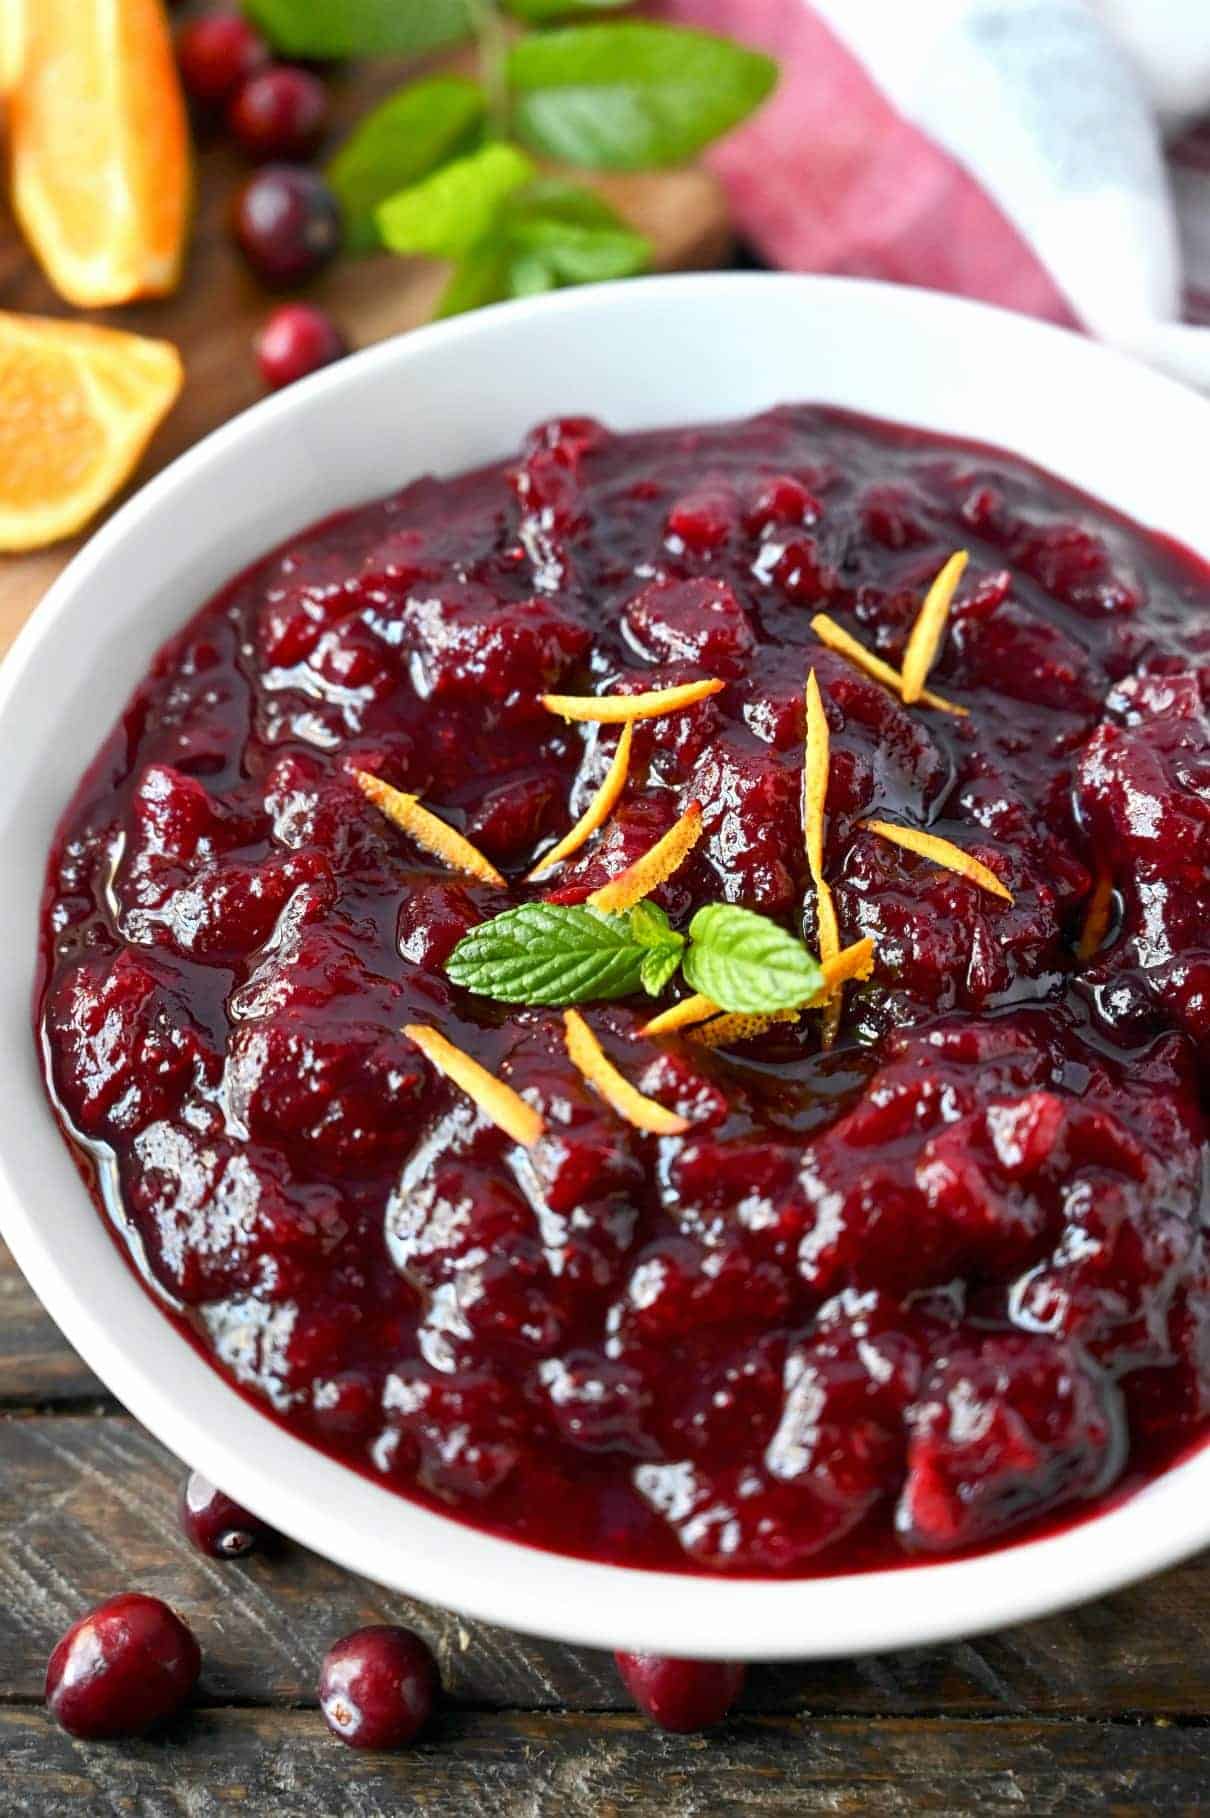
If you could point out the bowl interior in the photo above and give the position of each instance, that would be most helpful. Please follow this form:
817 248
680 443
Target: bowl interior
662 351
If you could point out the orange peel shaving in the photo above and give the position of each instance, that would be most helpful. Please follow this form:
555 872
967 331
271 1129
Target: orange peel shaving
856 961
435 835
815 795
1096 922
681 1016
506 1108
924 640
590 1059
614 709
838 639
598 810
655 866
941 852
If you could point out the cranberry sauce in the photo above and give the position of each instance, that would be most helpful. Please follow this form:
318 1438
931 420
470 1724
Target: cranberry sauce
885 1301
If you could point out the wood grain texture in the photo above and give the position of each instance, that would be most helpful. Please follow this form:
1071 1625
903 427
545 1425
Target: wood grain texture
219 307
87 1507
540 1765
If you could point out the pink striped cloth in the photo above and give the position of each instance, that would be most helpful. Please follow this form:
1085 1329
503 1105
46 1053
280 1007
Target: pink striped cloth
831 177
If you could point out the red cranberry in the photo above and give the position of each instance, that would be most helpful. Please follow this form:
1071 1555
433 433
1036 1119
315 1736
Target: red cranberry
280 112
377 1687
215 1524
296 340
287 223
123 1668
216 54
681 1695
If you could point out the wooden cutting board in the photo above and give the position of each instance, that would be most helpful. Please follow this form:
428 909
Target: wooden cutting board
219 306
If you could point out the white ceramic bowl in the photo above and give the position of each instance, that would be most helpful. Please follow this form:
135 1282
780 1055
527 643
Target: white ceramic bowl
663 351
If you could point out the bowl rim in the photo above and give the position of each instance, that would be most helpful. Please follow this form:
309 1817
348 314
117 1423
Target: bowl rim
408 1547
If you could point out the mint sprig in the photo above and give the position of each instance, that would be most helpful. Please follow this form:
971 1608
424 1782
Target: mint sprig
588 90
551 953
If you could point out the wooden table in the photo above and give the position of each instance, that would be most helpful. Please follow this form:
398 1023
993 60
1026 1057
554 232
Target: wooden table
1102 1710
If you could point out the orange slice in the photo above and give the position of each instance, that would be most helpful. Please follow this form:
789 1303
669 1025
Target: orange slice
611 709
655 866
506 1108
924 640
100 149
598 810
690 1010
589 1057
78 406
941 852
816 760
12 43
428 830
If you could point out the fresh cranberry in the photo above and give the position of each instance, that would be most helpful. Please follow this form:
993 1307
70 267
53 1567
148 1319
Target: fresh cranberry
123 1668
280 112
287 223
216 53
377 1687
215 1524
681 1695
296 340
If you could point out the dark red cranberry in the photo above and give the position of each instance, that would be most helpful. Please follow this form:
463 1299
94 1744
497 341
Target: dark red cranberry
287 223
280 112
123 1668
681 1695
297 339
216 54
215 1524
377 1687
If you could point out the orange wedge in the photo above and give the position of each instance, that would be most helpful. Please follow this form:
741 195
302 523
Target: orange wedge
77 407
100 148
12 43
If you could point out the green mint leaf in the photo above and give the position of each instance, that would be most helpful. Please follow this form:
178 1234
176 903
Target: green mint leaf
448 213
411 134
659 964
748 964
582 255
548 953
540 12
631 95
530 276
650 927
360 28
482 277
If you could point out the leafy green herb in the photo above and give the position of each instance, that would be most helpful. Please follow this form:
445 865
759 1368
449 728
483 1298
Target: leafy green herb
747 963
360 28
631 95
550 953
447 214
540 12
410 135
546 234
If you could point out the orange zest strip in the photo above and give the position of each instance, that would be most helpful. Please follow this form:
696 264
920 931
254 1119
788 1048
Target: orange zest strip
856 961
650 871
1096 922
815 795
690 1010
506 1108
588 1056
613 709
436 836
598 810
926 634
838 639
941 852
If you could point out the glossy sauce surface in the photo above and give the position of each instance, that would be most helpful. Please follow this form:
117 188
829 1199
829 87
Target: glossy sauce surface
897 1299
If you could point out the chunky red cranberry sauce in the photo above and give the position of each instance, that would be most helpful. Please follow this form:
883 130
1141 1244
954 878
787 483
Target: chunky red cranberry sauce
883 1301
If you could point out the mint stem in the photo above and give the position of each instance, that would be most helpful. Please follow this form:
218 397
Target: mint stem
492 34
